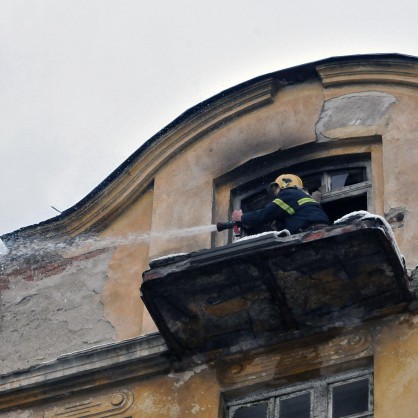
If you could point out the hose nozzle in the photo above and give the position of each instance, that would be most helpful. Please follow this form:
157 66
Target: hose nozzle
221 226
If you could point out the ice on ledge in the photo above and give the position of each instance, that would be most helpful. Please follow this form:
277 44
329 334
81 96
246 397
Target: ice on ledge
283 233
168 256
363 214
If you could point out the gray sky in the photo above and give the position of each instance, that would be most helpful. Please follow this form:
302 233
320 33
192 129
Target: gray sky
83 83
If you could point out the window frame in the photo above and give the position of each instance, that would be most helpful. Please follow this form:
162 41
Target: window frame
366 414
321 395
357 189
346 191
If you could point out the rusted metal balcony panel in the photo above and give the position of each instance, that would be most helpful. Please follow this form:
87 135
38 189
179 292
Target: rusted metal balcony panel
267 289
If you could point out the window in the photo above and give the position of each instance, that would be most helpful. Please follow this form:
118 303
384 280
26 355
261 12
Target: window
342 190
344 184
348 394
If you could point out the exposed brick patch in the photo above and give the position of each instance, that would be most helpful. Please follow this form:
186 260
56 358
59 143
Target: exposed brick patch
4 282
39 271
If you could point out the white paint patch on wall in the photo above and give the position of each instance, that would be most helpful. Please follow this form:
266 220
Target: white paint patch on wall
182 378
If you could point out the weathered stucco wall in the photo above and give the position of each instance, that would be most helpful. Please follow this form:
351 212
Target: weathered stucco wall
44 318
194 393
122 304
400 156
396 369
87 298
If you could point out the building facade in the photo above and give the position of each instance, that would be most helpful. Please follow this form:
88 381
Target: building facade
77 339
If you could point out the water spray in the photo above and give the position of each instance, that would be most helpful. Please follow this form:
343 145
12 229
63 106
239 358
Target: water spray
89 243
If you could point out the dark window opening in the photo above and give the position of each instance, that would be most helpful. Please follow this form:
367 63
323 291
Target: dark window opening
350 398
295 406
252 411
256 201
336 209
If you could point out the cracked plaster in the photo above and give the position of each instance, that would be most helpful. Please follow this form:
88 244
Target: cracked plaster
62 313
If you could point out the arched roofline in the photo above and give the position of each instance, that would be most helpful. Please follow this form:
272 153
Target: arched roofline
135 175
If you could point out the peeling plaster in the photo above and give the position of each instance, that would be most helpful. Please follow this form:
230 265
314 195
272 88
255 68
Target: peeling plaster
196 408
353 115
151 405
182 378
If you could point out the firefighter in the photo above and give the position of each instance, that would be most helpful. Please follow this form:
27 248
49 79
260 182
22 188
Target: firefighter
292 209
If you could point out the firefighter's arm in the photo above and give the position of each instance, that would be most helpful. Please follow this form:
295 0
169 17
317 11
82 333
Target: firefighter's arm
259 217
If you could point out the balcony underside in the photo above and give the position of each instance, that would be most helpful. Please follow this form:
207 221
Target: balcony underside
267 289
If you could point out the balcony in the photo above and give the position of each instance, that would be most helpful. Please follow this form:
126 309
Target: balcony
264 290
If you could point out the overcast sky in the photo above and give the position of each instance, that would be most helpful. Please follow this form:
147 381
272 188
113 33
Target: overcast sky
83 83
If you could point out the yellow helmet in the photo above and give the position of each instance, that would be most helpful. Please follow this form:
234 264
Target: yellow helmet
287 180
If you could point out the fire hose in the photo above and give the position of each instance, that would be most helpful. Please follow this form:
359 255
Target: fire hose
236 226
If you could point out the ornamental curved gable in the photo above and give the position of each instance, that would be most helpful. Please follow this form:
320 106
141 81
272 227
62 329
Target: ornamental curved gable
132 178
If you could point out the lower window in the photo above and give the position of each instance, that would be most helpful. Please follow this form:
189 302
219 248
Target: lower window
348 394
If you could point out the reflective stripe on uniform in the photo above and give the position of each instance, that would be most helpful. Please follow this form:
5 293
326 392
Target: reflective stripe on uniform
284 206
306 200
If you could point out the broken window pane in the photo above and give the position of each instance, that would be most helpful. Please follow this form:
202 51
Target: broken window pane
350 398
338 180
252 411
296 407
341 179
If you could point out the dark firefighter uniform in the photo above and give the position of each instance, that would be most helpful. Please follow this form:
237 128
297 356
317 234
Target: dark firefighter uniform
292 209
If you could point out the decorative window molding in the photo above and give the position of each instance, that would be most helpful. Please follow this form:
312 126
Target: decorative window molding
248 182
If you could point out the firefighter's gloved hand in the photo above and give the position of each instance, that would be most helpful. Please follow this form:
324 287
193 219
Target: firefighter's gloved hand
237 231
236 215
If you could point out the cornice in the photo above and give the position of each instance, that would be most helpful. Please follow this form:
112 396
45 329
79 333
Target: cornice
381 71
137 357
